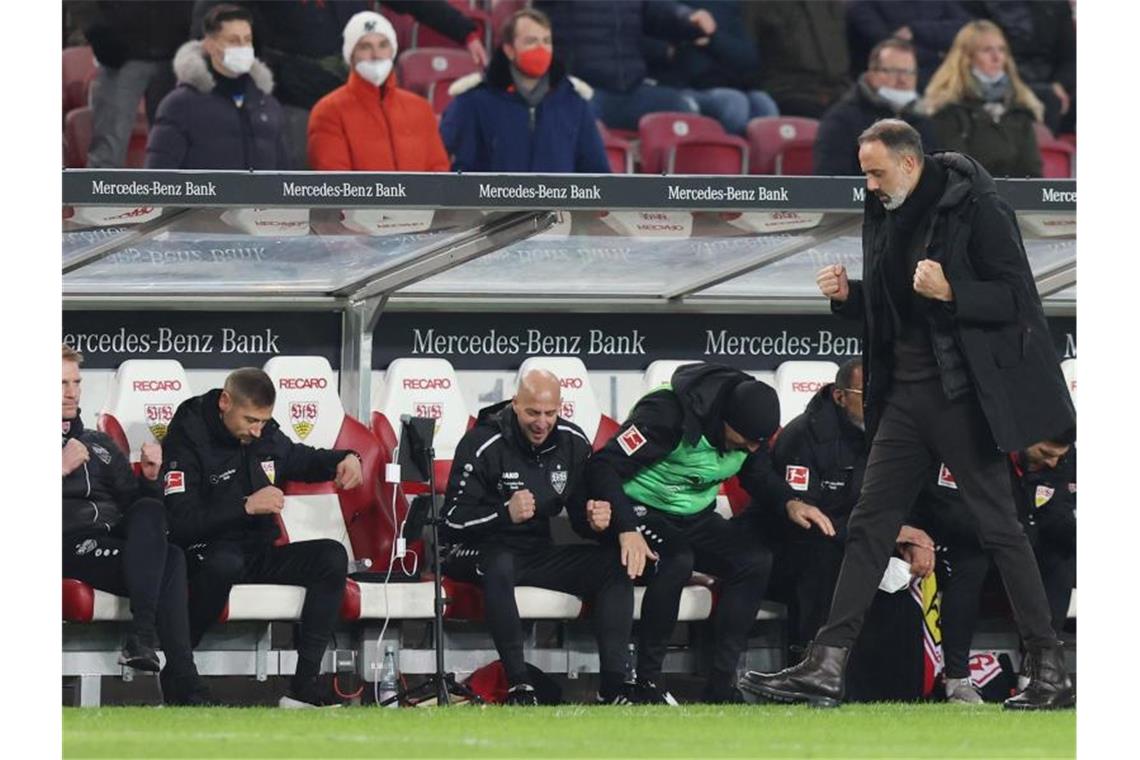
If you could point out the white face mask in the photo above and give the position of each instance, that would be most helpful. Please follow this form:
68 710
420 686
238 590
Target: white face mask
375 72
239 60
985 78
898 98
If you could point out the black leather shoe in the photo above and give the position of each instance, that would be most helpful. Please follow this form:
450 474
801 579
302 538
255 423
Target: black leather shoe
139 654
186 690
1050 687
521 695
818 680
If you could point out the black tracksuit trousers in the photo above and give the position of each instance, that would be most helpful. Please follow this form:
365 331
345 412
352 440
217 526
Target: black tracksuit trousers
918 428
135 561
319 565
594 573
708 543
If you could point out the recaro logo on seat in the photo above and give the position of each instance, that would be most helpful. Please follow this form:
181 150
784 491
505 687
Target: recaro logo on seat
807 386
426 383
156 385
571 382
302 383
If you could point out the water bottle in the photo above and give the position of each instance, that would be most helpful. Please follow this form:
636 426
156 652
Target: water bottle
389 678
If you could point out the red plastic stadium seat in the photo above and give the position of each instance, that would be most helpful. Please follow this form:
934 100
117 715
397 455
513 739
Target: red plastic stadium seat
768 136
658 131
439 97
77 131
1058 157
79 68
796 157
711 155
619 151
419 68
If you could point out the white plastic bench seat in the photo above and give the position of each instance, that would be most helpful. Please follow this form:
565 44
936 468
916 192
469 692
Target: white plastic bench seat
265 601
696 603
403 601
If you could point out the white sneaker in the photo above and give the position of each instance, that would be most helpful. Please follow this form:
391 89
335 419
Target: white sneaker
961 691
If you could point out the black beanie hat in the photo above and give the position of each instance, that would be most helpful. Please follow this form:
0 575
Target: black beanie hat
753 410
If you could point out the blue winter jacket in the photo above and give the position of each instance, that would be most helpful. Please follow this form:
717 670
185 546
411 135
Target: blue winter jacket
491 128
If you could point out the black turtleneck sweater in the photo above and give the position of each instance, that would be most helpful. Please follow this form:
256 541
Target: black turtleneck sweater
907 228
233 88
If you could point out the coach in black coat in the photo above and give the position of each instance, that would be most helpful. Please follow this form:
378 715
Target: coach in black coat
958 366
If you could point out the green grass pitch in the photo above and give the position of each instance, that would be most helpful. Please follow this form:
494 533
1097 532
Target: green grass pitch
698 731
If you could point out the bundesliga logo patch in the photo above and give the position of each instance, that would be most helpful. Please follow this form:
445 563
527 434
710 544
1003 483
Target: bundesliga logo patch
175 482
631 440
797 477
946 478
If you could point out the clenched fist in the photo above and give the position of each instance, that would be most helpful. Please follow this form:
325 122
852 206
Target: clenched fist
348 474
265 501
150 460
75 455
832 282
521 506
931 282
598 514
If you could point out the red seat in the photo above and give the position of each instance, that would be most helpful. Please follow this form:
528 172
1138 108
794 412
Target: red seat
769 136
79 69
1058 157
501 10
713 155
420 68
619 151
796 157
658 131
78 129
439 97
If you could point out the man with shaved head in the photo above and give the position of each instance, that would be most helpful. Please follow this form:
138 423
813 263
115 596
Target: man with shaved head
516 469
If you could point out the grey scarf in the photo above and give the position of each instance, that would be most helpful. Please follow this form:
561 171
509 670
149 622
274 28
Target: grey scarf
532 97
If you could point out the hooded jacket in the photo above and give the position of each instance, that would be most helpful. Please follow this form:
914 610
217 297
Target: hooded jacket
822 456
362 127
836 150
98 493
199 127
492 461
992 338
490 128
208 473
668 426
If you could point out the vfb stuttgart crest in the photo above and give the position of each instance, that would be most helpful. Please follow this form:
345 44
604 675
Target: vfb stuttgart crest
158 418
567 411
558 480
303 416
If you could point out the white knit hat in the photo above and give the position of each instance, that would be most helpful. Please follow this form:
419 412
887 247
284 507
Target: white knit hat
366 22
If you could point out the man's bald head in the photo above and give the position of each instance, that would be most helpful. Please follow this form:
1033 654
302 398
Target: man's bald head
536 404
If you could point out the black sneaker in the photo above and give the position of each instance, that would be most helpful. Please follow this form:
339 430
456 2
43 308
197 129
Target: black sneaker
185 691
649 693
138 653
623 696
521 695
307 693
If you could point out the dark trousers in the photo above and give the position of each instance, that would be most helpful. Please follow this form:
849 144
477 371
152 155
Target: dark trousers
710 544
320 566
135 561
805 567
594 573
962 570
919 427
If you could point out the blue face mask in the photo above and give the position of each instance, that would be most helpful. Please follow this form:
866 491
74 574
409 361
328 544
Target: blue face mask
985 78
896 97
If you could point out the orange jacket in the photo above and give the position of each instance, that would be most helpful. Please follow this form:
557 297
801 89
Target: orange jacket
359 127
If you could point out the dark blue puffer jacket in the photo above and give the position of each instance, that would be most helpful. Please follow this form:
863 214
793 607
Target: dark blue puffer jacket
490 128
600 41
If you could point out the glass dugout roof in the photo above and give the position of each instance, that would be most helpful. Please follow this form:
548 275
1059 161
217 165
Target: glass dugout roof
669 242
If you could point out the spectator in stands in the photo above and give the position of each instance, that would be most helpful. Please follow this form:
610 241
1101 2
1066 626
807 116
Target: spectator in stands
222 114
134 44
302 43
1044 481
512 473
1042 37
114 538
370 123
981 107
886 90
225 467
959 367
661 472
600 41
721 75
526 115
929 25
803 48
